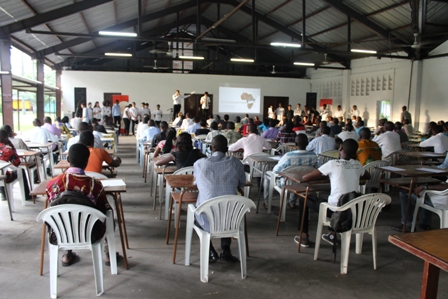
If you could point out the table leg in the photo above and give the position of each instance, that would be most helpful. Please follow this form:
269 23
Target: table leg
170 208
42 245
177 225
430 281
123 220
120 228
263 171
303 218
280 212
409 204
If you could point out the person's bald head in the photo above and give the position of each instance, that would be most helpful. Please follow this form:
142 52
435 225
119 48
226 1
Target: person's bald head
348 149
364 133
219 144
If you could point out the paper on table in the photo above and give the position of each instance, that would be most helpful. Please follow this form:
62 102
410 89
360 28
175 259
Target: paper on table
275 158
113 183
430 170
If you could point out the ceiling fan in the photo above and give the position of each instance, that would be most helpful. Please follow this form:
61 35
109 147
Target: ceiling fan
168 52
155 67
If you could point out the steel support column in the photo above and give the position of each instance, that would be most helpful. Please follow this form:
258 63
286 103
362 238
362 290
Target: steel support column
58 93
5 58
40 89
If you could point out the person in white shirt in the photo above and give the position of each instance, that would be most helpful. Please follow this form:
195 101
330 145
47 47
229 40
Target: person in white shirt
176 102
141 128
354 111
344 174
438 140
251 144
144 110
133 113
85 113
106 110
186 122
205 104
348 133
322 143
339 113
194 126
97 111
325 112
271 113
389 141
81 128
280 112
158 115
298 111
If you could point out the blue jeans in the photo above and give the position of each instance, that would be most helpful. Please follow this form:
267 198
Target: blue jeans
425 215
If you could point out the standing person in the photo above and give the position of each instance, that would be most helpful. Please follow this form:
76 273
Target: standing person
79 109
298 110
354 111
271 113
229 172
289 113
158 115
97 111
133 117
205 104
280 111
339 112
106 110
126 119
145 110
85 114
116 114
176 102
405 115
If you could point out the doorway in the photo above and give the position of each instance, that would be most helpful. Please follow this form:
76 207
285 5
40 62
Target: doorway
193 106
274 101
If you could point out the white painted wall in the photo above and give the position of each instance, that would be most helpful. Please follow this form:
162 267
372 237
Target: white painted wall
158 88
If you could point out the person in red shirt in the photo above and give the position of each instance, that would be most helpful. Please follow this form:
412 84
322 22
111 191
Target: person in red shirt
97 155
74 179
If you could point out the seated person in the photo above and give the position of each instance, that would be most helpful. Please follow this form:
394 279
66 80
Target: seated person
194 126
344 174
407 127
184 155
399 131
335 128
287 135
74 179
368 150
348 133
81 128
298 157
229 172
203 130
272 131
298 126
142 127
389 141
214 131
97 155
167 145
438 140
231 135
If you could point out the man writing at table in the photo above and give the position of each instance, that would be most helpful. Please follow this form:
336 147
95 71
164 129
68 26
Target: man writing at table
216 176
344 174
74 179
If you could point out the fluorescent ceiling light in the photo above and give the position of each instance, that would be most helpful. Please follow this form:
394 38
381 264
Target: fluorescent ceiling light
191 57
363 51
112 33
289 45
241 60
221 40
4 73
304 63
119 54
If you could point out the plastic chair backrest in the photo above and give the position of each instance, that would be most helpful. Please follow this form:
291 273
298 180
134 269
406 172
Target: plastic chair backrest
185 170
72 224
200 137
375 173
439 199
365 209
225 213
249 161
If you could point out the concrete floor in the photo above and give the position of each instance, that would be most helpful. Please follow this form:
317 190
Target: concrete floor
275 269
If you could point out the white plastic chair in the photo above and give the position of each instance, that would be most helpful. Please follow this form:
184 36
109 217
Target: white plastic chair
439 201
255 170
225 215
272 186
10 186
365 210
282 149
72 225
374 175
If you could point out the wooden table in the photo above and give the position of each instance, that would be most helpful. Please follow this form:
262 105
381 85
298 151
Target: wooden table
48 147
302 189
412 174
25 162
415 146
111 187
430 246
423 156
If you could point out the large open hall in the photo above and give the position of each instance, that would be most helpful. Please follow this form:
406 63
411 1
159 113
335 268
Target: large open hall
224 148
